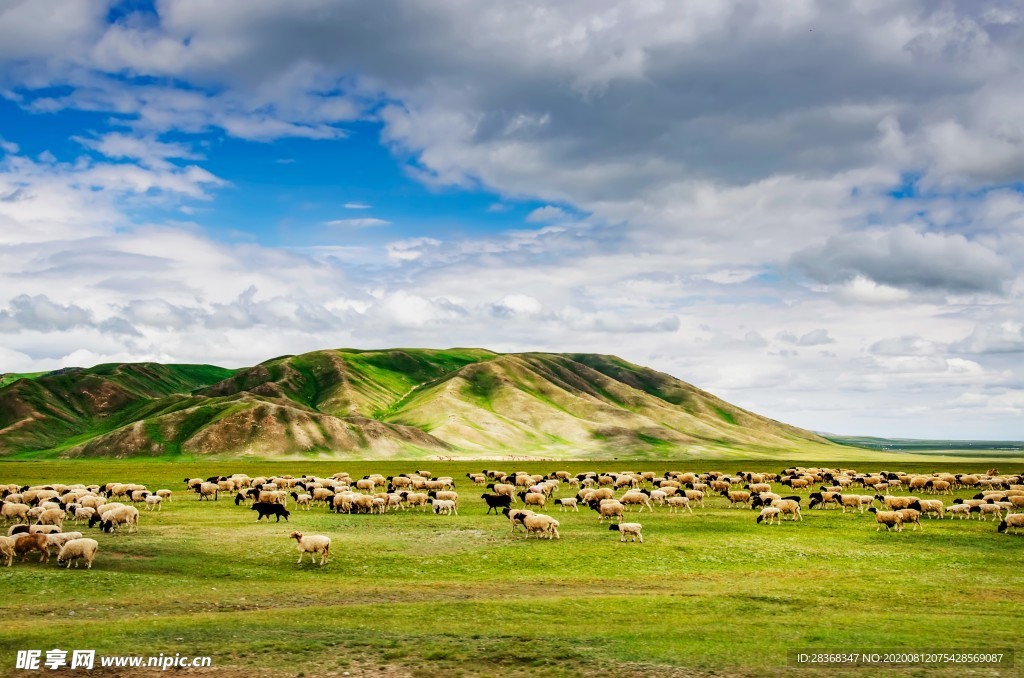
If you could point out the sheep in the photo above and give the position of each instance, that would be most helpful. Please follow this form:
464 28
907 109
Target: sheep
302 500
62 538
207 490
823 499
543 526
788 507
92 501
696 496
83 513
44 529
125 515
166 495
857 501
607 508
26 543
312 544
267 509
154 500
78 549
637 498
504 489
11 511
983 510
939 487
676 503
443 506
496 501
513 515
567 504
772 514
446 495
912 516
959 510
932 507
596 495
737 497
891 519
1013 521
7 550
895 503
632 530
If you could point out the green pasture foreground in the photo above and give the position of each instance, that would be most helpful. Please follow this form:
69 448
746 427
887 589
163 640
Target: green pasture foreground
410 593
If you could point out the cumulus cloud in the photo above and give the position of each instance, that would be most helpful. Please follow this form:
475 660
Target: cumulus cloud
907 259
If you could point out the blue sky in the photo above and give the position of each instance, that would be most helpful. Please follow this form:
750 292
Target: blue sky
814 213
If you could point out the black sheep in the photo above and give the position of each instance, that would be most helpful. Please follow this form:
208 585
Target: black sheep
267 509
496 501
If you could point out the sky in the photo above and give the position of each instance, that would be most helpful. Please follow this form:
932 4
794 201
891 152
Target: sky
813 209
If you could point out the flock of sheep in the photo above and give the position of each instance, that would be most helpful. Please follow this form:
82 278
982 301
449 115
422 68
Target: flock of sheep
39 512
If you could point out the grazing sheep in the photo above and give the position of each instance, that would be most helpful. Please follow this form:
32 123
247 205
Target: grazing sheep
78 549
7 550
983 510
84 513
788 507
267 509
312 544
607 508
125 515
737 497
676 503
26 543
504 489
302 500
632 530
857 501
1013 521
823 499
443 506
891 519
543 526
772 514
513 515
62 538
567 504
154 500
696 496
166 495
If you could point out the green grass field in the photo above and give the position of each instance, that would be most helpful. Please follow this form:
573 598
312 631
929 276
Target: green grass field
411 593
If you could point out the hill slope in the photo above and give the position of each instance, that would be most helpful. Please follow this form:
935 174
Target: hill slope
393 403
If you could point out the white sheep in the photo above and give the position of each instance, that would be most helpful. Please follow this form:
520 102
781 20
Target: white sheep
769 515
444 506
632 530
676 503
166 495
76 549
7 550
1014 521
59 539
154 500
891 519
312 544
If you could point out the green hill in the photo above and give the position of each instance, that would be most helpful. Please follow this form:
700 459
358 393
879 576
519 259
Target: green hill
390 403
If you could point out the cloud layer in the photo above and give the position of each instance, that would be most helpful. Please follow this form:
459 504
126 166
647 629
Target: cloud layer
812 209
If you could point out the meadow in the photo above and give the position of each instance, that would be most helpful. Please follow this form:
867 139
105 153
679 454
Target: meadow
411 593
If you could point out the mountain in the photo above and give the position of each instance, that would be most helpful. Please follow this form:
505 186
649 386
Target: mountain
400 403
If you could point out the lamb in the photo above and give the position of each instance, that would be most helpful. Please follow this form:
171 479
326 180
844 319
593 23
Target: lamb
676 503
26 543
788 507
166 495
1013 521
267 509
960 511
154 500
567 504
312 544
632 530
891 519
772 514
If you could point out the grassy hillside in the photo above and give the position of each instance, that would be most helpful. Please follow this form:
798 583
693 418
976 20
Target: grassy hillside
400 403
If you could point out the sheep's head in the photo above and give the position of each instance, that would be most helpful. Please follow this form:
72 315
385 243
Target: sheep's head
297 536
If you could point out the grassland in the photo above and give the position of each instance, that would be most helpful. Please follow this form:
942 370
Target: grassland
410 593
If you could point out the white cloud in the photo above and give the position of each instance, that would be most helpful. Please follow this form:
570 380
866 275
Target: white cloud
546 214
357 206
367 222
